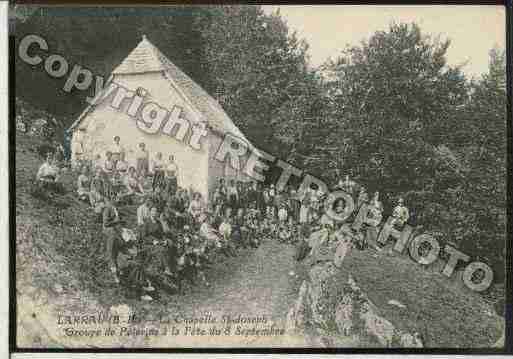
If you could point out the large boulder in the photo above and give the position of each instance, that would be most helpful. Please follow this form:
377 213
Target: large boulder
321 297
299 314
344 315
333 307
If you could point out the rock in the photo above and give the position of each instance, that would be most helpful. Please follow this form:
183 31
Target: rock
344 316
378 327
320 294
396 303
298 315
324 302
317 238
408 340
323 252
321 272
342 250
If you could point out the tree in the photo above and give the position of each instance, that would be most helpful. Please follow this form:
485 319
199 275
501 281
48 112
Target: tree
247 60
258 70
409 125
483 199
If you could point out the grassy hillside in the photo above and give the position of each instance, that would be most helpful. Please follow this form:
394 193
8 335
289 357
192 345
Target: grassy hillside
444 312
60 253
60 269
59 232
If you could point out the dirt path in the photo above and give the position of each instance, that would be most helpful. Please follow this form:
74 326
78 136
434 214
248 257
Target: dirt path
261 282
256 282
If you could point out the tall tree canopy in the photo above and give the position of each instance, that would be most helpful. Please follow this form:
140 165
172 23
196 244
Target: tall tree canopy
246 59
394 100
390 111
482 196
402 121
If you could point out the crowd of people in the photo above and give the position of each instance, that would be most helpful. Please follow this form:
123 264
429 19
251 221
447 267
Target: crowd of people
176 233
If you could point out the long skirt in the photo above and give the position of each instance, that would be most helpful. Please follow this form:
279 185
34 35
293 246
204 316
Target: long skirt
302 250
233 203
150 263
112 245
142 166
158 179
282 215
303 214
171 186
371 234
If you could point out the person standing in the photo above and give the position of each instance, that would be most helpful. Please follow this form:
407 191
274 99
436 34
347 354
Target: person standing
221 195
78 148
363 198
117 150
304 211
177 204
120 174
142 160
260 201
295 205
283 208
109 171
272 195
252 194
241 192
233 195
67 146
58 151
348 185
110 221
157 169
171 176
98 182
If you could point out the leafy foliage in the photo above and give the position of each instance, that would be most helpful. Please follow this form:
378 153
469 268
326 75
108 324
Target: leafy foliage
390 112
403 121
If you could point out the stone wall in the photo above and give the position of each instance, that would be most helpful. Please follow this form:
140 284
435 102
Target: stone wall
331 309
